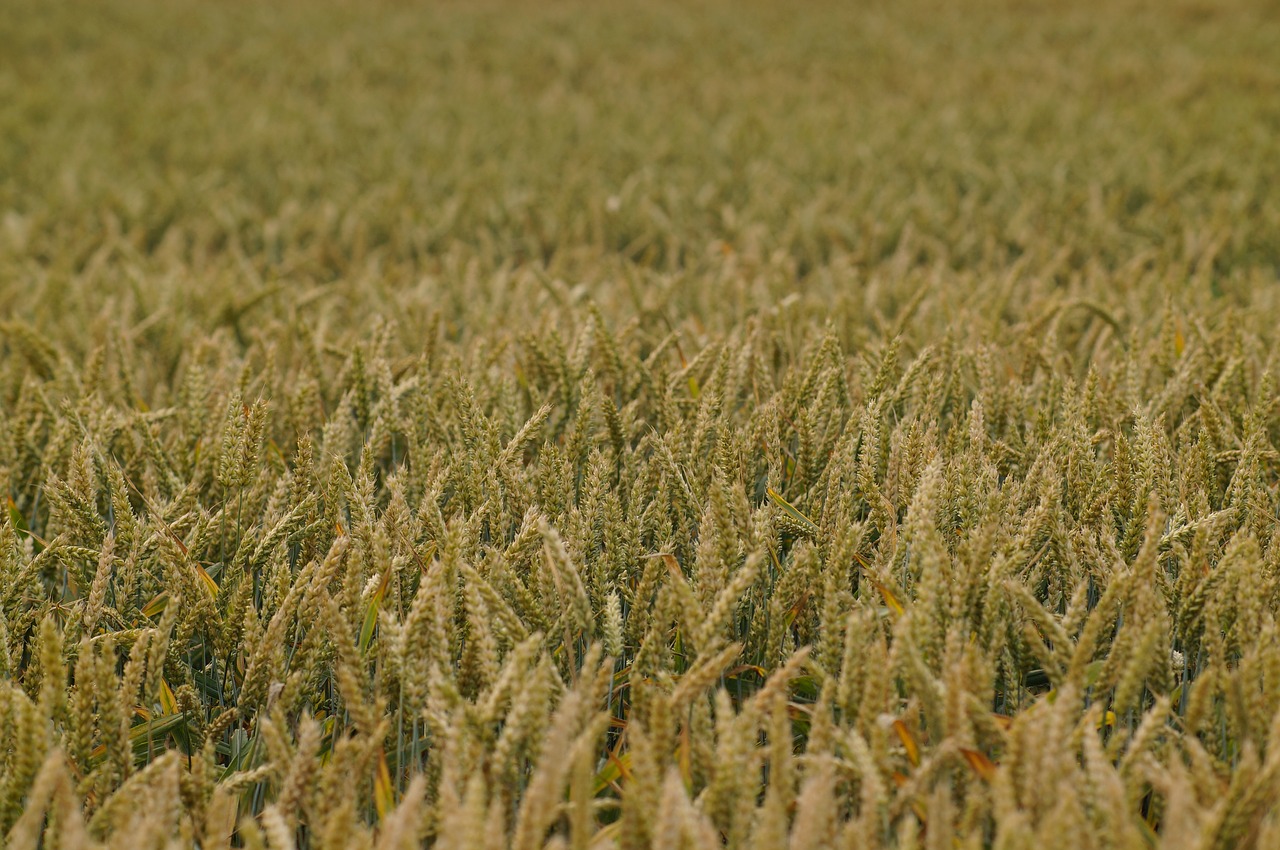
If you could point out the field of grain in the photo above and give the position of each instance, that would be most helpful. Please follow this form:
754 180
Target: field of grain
514 424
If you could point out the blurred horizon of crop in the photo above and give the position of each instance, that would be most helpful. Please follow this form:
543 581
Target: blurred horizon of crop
819 131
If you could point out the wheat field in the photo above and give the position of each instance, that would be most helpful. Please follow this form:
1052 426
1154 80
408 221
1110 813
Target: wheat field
584 426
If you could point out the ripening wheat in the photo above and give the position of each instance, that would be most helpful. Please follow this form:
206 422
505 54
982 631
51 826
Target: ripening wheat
583 426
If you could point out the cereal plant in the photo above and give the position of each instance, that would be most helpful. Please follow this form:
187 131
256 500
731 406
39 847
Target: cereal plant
593 426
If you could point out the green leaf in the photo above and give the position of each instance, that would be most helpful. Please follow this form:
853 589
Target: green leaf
371 611
805 524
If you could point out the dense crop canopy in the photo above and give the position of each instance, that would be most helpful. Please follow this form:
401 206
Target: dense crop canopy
682 425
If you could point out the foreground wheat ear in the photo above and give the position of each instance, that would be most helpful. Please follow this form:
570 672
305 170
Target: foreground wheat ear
573 427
